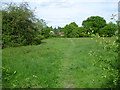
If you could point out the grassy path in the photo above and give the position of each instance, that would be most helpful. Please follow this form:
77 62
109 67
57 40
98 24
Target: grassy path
63 63
76 65
66 75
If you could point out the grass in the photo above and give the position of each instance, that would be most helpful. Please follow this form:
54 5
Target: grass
56 63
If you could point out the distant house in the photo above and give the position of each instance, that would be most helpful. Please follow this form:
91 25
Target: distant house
52 32
61 33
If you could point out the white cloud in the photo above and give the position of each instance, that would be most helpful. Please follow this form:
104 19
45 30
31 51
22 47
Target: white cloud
78 12
62 12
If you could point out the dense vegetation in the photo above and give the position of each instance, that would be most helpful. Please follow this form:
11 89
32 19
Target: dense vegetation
92 26
21 27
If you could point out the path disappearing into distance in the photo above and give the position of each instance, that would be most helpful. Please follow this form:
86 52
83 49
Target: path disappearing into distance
55 63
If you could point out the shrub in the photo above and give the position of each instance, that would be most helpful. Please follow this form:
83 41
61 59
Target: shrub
20 26
109 30
37 39
109 66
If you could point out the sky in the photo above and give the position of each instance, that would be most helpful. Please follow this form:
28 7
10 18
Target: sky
61 12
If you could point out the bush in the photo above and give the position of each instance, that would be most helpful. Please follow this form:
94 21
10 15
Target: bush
109 66
37 39
109 30
20 27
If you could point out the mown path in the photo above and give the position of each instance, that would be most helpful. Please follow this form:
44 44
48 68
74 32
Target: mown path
77 68
67 74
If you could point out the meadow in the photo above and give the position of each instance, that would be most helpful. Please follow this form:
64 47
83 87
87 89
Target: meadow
55 63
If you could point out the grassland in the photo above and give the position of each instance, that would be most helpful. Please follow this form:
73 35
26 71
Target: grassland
56 63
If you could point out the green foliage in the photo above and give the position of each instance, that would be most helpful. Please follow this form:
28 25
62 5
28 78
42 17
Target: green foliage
93 24
19 25
57 32
71 30
37 39
107 60
91 27
118 50
82 32
109 30
46 32
60 29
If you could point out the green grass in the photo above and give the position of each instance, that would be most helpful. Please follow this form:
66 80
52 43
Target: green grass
56 63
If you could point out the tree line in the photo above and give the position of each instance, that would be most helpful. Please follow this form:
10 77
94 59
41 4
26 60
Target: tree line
94 25
20 27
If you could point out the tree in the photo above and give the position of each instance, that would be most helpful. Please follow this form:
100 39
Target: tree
46 31
19 25
71 30
109 30
40 24
93 24
82 32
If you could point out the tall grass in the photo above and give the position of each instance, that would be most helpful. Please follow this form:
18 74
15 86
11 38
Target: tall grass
54 63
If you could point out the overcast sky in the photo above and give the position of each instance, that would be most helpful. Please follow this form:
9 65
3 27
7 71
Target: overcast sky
62 12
